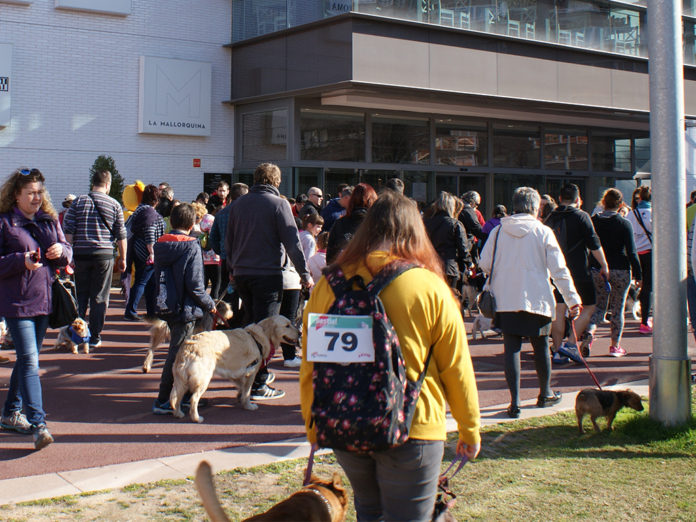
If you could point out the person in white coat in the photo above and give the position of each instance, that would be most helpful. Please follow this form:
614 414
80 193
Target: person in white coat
526 253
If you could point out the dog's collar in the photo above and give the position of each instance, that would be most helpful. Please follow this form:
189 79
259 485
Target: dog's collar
270 352
322 497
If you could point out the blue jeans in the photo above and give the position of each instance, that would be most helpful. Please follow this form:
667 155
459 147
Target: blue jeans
25 386
396 484
141 285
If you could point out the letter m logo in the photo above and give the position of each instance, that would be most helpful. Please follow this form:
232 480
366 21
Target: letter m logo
178 92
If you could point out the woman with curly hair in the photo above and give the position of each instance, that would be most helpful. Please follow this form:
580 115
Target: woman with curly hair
32 247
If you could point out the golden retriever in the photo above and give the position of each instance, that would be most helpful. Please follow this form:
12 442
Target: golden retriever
68 335
159 330
232 354
319 501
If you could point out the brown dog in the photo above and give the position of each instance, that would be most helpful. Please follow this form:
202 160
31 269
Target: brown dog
320 501
604 403
65 336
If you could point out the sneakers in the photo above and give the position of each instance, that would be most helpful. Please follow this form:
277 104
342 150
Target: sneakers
133 318
292 363
270 377
616 351
16 421
559 359
645 329
42 437
570 351
586 344
543 402
95 341
163 408
4 360
266 393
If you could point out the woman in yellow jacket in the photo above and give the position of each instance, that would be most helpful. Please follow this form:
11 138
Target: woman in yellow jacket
401 483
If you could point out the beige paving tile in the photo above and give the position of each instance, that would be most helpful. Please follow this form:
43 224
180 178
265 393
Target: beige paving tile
119 475
38 486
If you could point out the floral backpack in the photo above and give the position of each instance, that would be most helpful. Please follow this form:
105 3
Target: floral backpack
364 406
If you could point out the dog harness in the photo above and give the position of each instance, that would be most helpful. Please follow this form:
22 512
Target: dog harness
322 497
76 338
270 353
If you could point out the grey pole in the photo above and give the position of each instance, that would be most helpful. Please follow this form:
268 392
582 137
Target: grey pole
669 364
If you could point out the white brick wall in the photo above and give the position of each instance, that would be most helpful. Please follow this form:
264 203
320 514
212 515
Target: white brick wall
75 92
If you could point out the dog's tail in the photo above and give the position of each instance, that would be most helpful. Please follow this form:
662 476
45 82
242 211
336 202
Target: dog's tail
206 489
158 333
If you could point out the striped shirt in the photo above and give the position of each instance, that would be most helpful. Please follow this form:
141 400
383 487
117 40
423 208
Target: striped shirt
148 236
90 234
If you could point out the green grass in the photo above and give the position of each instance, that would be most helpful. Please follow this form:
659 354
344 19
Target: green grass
535 469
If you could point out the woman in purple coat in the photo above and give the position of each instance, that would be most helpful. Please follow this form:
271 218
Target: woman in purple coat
32 247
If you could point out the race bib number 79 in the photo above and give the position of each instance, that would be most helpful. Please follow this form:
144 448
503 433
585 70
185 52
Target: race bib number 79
340 338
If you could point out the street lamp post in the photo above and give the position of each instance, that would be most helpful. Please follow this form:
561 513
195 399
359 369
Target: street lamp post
669 364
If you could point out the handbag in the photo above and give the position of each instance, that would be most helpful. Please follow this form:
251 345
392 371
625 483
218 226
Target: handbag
486 300
64 305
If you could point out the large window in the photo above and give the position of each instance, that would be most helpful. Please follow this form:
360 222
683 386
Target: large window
265 135
400 140
565 149
334 136
516 145
611 151
462 144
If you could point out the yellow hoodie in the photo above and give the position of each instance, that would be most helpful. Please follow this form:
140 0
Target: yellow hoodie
423 311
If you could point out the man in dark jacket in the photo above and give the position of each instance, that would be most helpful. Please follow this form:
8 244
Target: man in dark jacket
181 295
576 236
260 230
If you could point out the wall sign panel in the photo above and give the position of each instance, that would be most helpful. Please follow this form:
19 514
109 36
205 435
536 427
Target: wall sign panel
5 78
175 97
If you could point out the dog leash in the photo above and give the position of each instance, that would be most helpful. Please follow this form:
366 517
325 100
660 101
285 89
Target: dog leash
310 464
572 325
222 320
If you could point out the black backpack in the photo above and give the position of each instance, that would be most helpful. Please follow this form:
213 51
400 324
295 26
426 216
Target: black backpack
364 407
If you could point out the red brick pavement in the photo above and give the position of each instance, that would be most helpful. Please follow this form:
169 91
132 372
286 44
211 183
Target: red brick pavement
98 405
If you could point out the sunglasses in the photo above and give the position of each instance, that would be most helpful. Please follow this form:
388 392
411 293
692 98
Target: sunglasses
28 172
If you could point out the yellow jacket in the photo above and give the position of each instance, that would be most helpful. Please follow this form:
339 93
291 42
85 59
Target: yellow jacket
423 311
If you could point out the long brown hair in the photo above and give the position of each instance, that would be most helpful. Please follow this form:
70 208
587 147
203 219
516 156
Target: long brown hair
393 221
14 185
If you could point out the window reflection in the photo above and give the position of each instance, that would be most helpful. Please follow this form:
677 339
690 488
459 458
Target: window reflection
516 145
565 149
264 135
326 135
400 140
611 151
462 144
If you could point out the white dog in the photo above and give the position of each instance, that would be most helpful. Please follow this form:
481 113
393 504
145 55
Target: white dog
481 325
235 355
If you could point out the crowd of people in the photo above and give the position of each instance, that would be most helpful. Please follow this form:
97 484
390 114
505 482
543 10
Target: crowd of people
556 273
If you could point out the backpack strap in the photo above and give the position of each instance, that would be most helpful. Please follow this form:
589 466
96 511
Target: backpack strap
387 275
339 284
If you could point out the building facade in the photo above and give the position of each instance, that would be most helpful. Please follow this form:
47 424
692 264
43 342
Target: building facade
143 82
446 94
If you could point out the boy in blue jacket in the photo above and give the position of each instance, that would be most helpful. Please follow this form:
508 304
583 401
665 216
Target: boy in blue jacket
181 295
